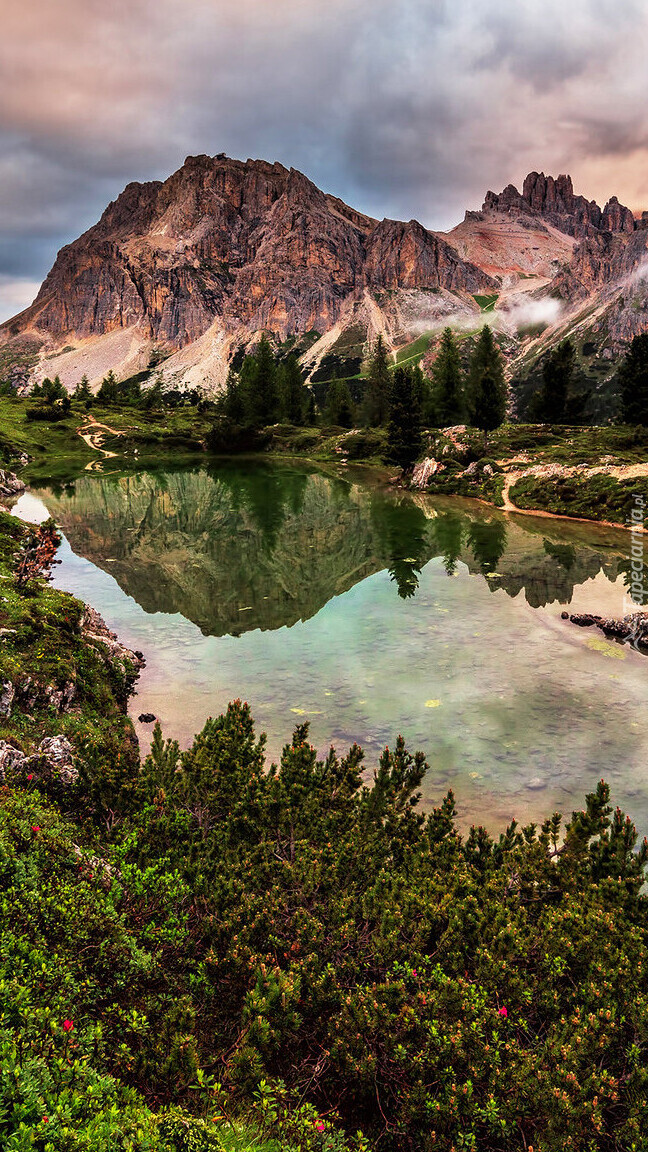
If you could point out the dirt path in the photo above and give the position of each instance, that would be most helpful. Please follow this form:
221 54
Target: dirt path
93 434
553 471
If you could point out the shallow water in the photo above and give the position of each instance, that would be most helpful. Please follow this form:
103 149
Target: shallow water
368 613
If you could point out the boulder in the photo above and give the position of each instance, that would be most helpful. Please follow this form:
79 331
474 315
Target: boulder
10 485
424 471
53 760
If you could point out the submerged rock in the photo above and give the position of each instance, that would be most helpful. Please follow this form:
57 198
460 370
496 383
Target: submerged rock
632 629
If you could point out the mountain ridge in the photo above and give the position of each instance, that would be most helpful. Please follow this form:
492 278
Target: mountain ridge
181 273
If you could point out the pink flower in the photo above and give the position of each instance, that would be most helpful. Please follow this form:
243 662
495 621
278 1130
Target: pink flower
30 776
67 1025
320 1126
502 1012
413 971
35 827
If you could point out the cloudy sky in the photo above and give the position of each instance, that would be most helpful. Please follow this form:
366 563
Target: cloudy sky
402 107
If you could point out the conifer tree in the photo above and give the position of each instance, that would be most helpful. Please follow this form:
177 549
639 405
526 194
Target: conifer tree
486 386
266 398
292 391
633 379
82 391
557 372
310 411
404 440
154 396
339 405
447 382
232 403
378 385
107 393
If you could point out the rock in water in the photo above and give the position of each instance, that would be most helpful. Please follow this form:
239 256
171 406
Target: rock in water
424 471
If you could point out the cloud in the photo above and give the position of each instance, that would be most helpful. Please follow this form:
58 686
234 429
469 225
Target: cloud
523 312
408 109
15 294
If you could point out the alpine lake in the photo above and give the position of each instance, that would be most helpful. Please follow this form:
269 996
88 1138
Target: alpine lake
324 596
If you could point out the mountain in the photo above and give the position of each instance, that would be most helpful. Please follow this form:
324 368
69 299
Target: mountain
178 275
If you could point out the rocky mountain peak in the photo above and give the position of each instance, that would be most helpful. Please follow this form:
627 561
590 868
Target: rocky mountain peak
249 244
555 201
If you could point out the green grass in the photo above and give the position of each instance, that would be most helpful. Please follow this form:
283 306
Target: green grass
487 303
599 497
415 351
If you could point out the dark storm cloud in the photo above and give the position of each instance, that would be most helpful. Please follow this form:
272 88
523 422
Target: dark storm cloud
404 109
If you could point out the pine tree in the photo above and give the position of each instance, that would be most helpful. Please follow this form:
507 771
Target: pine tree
339 405
404 440
310 411
486 385
82 391
107 393
633 380
154 396
266 397
447 381
378 385
557 372
292 391
489 406
232 402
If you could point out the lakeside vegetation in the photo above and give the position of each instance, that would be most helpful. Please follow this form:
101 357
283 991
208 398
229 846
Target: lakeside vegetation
201 954
400 418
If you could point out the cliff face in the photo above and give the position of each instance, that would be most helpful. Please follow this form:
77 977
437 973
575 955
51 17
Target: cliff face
252 244
194 267
554 200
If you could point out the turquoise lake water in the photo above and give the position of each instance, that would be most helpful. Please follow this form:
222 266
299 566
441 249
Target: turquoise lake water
366 612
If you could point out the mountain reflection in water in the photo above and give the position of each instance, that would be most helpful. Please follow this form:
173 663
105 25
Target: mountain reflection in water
238 548
366 612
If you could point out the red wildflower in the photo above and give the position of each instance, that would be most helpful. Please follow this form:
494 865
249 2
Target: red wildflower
320 1126
502 1012
67 1025
35 827
30 776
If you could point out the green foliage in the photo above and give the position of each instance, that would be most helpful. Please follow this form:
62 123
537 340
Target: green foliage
341 958
486 386
268 388
487 303
404 440
376 406
633 380
339 406
82 392
557 372
50 390
447 400
599 497
55 404
292 394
